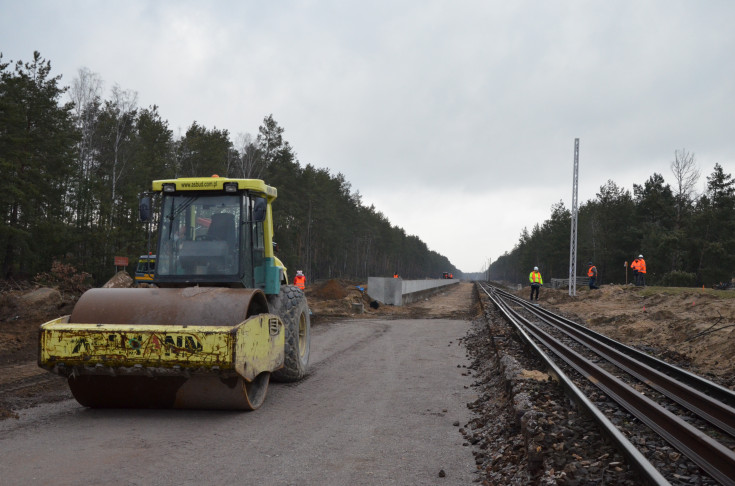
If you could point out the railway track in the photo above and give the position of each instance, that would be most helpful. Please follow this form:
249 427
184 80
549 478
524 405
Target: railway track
692 414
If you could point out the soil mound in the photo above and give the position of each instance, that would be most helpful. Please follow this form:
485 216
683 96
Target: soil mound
43 297
330 290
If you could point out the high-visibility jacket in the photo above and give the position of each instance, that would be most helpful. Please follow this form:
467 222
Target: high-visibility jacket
634 264
592 272
300 281
641 265
535 277
395 275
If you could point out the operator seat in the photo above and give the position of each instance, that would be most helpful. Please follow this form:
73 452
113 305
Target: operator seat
222 228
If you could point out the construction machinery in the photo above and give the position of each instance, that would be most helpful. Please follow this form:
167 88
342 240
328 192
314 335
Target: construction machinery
216 323
145 269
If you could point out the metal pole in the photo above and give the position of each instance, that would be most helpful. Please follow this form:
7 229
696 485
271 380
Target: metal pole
573 236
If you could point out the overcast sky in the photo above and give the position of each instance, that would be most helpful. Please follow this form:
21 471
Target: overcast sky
456 119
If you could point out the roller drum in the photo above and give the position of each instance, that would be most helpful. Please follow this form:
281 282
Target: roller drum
193 306
190 306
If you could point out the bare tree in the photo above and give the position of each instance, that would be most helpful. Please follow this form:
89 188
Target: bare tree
85 93
123 105
250 160
242 140
686 173
178 157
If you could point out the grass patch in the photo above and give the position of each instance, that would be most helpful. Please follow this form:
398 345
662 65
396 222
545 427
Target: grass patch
676 291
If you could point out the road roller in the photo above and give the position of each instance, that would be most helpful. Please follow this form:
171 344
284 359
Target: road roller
215 324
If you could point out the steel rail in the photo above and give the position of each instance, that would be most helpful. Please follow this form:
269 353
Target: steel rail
714 411
697 382
710 455
638 461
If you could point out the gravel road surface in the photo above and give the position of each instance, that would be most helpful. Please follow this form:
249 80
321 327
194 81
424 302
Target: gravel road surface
382 406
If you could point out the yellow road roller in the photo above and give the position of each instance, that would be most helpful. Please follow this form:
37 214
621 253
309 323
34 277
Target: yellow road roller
217 322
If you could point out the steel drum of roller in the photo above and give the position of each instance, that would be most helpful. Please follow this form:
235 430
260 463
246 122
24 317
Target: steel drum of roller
192 306
152 387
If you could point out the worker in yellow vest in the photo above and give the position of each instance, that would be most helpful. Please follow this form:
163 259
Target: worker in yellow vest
536 282
299 280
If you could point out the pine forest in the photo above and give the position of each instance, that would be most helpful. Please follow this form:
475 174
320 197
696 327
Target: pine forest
73 163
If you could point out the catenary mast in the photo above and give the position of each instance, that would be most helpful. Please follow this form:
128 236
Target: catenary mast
573 237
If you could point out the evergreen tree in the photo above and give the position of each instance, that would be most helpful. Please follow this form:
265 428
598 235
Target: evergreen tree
714 229
203 152
656 210
37 138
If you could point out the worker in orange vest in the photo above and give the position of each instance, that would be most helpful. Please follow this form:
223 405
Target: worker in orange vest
299 280
592 274
536 282
641 279
639 271
395 275
634 270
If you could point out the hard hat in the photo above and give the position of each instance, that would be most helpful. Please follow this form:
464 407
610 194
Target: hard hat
640 256
535 268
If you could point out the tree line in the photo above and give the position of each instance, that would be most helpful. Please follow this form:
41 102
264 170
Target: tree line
72 163
687 239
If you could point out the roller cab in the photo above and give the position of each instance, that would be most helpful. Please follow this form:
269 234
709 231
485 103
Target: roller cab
214 231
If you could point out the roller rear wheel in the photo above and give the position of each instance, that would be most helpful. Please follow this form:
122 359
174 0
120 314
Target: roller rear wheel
290 305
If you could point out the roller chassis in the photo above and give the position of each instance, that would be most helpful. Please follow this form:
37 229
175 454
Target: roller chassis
72 350
163 366
160 365
213 327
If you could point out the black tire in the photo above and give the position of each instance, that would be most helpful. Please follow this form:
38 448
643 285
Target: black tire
290 305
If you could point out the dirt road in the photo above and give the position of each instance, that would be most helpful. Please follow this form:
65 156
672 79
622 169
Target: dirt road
382 405
386 389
